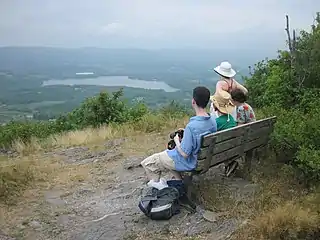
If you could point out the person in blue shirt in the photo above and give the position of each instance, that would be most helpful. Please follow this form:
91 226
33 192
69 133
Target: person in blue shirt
184 156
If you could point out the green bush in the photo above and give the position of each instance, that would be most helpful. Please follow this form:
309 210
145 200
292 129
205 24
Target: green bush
174 109
24 131
105 108
289 88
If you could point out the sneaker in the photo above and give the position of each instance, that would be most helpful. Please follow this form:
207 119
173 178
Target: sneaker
158 185
163 181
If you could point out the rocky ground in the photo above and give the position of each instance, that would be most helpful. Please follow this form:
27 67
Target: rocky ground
105 206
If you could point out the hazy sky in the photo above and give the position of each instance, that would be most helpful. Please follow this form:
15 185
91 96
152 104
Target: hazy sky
151 23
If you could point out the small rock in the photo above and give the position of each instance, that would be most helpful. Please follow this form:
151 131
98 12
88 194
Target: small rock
35 224
53 197
85 191
20 226
210 216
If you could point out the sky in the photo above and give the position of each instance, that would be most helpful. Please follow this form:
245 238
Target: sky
152 23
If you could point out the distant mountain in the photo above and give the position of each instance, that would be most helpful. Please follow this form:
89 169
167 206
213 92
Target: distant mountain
39 60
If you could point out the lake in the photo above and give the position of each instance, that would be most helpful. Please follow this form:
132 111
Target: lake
112 81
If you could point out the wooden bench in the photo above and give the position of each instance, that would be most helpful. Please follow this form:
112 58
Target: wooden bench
230 144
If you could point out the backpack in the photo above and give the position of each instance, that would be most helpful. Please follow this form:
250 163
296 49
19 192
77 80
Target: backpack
160 204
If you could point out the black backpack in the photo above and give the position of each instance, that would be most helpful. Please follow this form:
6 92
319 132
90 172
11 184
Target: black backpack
160 204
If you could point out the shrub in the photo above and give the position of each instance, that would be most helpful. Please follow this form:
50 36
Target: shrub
289 88
174 109
103 109
24 131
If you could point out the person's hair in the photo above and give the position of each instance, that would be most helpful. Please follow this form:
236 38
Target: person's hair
239 96
201 96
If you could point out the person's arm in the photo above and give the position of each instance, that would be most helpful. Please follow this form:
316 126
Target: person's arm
250 115
241 116
186 146
221 86
241 87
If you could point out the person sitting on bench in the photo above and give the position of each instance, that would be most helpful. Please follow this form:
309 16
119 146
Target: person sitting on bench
184 156
245 113
225 120
223 109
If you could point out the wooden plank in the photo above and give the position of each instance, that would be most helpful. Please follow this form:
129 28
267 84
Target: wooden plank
237 131
265 131
261 123
234 142
256 143
223 135
220 147
210 152
269 119
220 157
260 129
251 143
224 156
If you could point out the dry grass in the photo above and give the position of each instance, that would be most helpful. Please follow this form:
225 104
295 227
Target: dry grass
280 209
40 172
16 174
89 136
14 178
298 219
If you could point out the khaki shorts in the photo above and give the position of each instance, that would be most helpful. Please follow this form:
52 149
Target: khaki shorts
158 163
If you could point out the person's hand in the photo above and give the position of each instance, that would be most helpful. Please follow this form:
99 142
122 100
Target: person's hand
176 139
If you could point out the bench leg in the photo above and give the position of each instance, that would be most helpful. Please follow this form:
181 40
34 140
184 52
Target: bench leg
190 197
248 162
263 153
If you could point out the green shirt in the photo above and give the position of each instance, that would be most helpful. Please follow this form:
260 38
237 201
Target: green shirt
222 122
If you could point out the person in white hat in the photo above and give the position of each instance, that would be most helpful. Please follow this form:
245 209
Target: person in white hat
227 83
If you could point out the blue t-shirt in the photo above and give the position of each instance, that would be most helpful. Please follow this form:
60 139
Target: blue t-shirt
197 127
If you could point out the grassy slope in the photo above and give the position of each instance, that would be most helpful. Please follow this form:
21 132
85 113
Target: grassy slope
282 207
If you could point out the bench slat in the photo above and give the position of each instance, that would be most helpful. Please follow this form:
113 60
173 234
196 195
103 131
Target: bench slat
222 136
261 123
256 143
220 147
234 142
265 131
220 157
237 131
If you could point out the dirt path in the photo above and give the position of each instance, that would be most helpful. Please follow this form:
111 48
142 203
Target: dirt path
105 207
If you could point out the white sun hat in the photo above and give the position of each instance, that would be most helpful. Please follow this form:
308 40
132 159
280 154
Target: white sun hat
225 70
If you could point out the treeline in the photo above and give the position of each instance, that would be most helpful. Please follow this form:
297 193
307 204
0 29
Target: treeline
289 87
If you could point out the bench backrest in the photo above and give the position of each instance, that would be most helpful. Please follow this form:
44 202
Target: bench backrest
224 145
